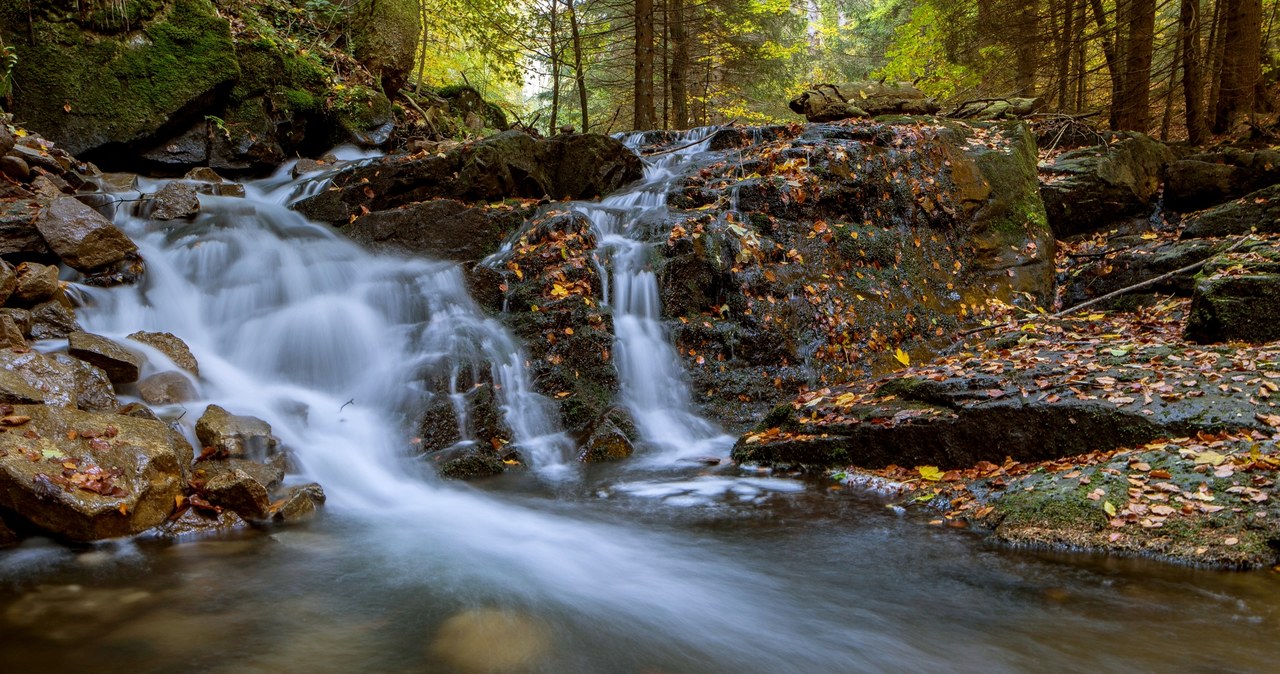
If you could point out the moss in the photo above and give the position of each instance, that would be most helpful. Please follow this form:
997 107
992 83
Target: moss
1014 173
122 89
384 38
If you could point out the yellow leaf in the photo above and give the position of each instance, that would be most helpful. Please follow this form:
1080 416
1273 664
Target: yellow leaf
1210 457
1110 509
902 356
930 473
1095 317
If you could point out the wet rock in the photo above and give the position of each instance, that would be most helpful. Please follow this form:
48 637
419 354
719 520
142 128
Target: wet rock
121 365
299 503
11 336
1259 210
468 462
509 164
20 318
124 476
207 181
61 380
606 442
15 168
8 536
79 235
1088 189
8 281
167 388
36 283
439 228
171 346
174 201
305 166
15 390
235 436
439 428
831 102
52 320
18 233
235 490
194 522
1211 178
1237 298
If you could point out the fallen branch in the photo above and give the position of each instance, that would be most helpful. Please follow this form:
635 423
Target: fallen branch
1115 293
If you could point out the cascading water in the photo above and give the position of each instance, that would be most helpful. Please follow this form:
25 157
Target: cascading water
654 388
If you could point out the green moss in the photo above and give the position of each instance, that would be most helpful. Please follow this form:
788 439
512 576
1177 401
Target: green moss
1014 174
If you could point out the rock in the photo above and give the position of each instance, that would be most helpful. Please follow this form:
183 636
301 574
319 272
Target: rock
955 415
194 522
1211 178
52 320
305 166
15 167
235 436
384 38
466 642
36 283
15 390
124 481
1259 210
298 504
439 427
119 182
1237 299
18 233
469 463
1004 108
20 318
8 536
176 200
1136 260
464 101
1089 189
828 102
236 490
11 336
61 380
84 240
69 614
167 388
439 228
8 281
606 442
123 86
187 148
7 141
366 115
171 346
509 164
121 365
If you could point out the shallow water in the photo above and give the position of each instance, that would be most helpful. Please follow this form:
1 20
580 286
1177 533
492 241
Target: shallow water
652 566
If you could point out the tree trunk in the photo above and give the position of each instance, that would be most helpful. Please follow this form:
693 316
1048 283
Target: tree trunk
1066 18
642 114
1109 37
555 71
1132 111
1241 63
1192 75
1025 49
579 73
679 74
1215 51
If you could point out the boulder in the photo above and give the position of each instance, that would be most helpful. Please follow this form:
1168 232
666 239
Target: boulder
61 380
831 102
11 334
235 490
79 235
36 283
298 503
171 346
1237 298
1133 261
85 476
20 317
8 281
440 228
121 365
1090 189
384 38
1211 178
95 82
1256 211
167 388
606 442
18 233
15 390
235 436
176 200
15 168
509 164
52 320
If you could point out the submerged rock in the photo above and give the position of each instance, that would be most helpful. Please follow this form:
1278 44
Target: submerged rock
466 642
85 476
167 388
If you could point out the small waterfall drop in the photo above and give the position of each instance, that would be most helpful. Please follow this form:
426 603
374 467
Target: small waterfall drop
654 386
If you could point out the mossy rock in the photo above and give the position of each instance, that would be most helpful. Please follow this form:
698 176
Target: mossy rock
88 90
384 38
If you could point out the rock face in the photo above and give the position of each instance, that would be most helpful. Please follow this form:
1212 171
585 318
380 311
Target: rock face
61 379
1091 188
1237 298
1259 210
509 164
1208 179
831 102
441 228
173 64
1136 260
84 239
86 476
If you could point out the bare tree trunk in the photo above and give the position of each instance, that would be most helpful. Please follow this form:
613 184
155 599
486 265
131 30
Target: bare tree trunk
1216 47
1167 118
1109 36
579 73
1241 63
642 115
555 71
679 74
1192 75
1065 47
1079 56
666 57
1133 110
1025 48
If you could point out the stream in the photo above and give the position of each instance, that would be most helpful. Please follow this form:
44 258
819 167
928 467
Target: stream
652 566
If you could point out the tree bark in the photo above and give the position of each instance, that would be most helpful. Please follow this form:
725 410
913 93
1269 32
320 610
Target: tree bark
642 114
1241 63
579 73
679 75
1109 37
1132 111
1192 75
1025 49
555 70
